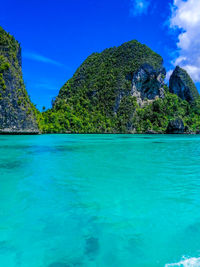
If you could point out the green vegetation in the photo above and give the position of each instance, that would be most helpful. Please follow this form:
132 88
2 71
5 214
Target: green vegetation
157 115
99 97
181 84
154 116
185 77
100 79
88 103
17 109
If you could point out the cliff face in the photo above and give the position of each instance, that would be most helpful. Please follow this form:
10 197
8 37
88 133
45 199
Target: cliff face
17 113
148 83
106 89
182 85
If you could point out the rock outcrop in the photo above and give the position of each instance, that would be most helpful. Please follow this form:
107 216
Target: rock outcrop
181 84
148 83
17 113
176 126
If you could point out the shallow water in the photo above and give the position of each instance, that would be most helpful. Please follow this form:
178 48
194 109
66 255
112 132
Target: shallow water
99 200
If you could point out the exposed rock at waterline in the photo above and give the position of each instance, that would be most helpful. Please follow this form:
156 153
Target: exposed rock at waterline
176 126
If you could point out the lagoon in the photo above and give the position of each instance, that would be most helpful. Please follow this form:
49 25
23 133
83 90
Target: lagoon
99 200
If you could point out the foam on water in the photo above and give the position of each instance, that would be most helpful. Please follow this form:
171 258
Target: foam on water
186 262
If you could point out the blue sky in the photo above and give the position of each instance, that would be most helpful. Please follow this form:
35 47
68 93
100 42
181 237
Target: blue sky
57 36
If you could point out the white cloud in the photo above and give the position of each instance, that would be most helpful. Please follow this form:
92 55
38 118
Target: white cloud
139 7
186 17
168 75
40 58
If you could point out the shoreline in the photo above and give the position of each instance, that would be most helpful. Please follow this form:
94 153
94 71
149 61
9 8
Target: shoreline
39 133
19 132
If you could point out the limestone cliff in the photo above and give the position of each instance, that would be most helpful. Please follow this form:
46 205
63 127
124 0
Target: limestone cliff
148 83
17 113
182 85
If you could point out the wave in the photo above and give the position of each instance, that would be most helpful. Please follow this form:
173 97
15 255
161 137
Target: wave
185 262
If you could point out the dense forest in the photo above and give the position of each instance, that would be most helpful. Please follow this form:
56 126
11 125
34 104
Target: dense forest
153 117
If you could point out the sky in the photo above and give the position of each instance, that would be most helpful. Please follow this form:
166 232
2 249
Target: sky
57 36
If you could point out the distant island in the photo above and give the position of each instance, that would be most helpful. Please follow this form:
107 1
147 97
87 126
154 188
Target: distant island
121 90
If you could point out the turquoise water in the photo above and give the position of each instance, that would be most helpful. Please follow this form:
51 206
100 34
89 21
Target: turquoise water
99 200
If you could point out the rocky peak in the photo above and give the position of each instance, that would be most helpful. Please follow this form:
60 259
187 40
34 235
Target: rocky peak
181 84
